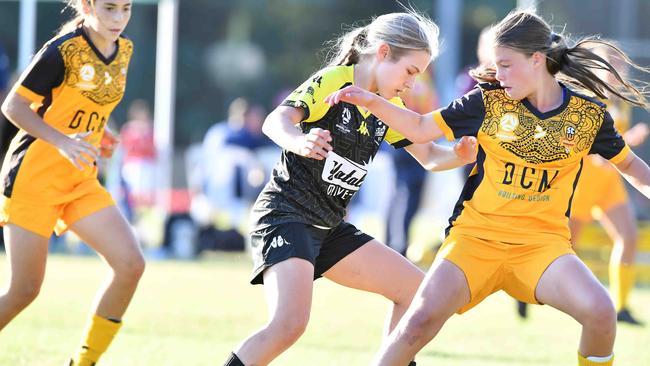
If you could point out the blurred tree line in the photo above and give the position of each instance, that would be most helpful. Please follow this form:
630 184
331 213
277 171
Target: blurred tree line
261 49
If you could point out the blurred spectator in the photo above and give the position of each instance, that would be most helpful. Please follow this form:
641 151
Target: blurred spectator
465 83
249 134
215 138
231 173
139 155
409 177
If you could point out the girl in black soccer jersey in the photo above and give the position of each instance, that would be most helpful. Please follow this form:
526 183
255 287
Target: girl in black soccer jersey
298 233
61 104
509 230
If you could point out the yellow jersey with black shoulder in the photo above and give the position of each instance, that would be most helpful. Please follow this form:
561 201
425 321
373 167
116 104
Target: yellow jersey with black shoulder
317 192
528 164
74 88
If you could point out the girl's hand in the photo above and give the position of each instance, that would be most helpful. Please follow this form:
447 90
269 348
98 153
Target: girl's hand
351 94
636 135
315 144
466 149
78 151
108 143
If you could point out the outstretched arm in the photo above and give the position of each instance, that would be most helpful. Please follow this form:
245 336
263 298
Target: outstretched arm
435 157
414 126
637 172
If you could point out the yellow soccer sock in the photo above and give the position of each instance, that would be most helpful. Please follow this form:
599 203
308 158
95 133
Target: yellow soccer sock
595 361
621 282
99 334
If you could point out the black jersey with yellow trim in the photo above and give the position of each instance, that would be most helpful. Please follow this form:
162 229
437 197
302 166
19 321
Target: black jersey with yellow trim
317 192
528 164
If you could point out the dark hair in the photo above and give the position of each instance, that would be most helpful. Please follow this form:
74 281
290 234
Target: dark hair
77 7
577 65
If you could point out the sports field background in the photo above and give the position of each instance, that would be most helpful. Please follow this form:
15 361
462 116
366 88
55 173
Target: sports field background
194 313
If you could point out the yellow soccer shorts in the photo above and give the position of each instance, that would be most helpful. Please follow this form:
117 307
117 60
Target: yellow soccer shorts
599 189
43 218
490 266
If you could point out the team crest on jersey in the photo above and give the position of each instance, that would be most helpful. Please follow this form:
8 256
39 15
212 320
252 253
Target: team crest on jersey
568 140
507 125
346 116
86 74
380 131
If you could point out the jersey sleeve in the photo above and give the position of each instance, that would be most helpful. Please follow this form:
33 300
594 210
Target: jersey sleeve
463 117
609 143
43 74
311 94
393 137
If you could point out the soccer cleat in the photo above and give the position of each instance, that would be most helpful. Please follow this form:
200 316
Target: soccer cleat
522 309
624 316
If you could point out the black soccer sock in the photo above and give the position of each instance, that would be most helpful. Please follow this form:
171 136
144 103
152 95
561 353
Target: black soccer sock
233 360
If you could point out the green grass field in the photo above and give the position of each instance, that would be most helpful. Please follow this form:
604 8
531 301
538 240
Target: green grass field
194 313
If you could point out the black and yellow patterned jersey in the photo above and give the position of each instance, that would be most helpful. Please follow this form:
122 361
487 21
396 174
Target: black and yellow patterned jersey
528 164
316 192
74 88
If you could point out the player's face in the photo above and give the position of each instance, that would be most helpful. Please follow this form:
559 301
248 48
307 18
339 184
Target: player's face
515 72
110 17
395 76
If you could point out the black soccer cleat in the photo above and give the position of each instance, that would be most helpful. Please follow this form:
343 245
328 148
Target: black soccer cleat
624 316
522 309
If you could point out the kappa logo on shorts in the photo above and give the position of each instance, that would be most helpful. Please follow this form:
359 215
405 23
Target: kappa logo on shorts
279 241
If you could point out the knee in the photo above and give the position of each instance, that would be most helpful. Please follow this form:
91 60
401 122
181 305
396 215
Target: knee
131 268
23 295
599 312
427 315
404 294
286 331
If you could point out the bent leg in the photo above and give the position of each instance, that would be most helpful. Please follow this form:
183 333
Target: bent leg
111 236
376 268
107 232
443 292
569 286
288 286
27 255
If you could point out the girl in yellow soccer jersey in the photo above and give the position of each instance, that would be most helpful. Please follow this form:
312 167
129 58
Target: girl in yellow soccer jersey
61 104
298 232
509 230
